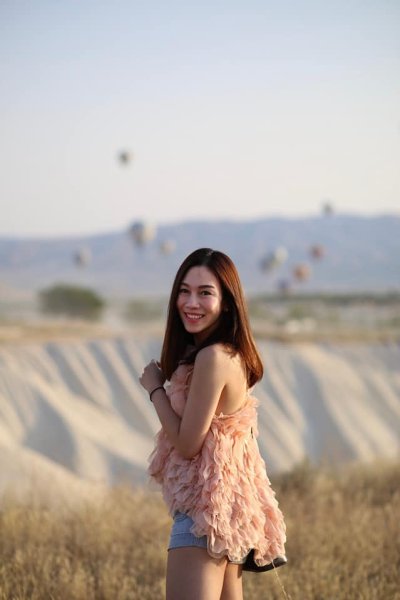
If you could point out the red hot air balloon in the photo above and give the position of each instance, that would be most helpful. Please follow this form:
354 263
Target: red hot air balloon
302 272
317 251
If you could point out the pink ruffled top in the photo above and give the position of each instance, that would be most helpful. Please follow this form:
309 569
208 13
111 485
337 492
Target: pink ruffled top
224 488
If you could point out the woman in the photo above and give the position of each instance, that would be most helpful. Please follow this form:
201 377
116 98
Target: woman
206 456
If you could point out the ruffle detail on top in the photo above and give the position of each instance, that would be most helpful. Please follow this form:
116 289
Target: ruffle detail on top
224 488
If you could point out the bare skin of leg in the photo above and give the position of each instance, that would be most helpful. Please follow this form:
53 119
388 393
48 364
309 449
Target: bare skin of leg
232 588
192 574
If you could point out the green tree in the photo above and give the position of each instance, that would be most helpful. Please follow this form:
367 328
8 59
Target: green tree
73 301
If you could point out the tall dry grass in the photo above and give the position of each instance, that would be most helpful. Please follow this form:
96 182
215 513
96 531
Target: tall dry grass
343 543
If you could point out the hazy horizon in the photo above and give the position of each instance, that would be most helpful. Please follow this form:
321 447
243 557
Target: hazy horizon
176 222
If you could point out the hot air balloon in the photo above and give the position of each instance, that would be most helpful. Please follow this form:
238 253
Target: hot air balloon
142 233
267 263
167 247
301 272
281 254
284 286
124 157
317 251
274 259
327 208
82 257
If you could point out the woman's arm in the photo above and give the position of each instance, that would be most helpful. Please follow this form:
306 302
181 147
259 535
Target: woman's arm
208 380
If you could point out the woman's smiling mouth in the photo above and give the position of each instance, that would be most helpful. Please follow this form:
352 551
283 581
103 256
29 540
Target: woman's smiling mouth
193 317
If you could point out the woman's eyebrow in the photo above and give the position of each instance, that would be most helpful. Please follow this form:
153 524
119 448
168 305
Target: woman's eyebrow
200 286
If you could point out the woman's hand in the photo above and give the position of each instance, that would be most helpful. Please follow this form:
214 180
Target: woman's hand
152 376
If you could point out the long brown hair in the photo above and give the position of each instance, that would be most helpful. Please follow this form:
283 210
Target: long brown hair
233 327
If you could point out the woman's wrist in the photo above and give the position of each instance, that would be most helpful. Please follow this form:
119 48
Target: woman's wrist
158 387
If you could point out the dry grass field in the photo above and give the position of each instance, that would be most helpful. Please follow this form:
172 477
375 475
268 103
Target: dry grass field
343 542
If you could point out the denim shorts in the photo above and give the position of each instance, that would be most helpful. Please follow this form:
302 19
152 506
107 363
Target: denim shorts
181 535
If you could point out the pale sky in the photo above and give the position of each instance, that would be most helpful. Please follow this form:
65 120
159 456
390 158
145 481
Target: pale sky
233 109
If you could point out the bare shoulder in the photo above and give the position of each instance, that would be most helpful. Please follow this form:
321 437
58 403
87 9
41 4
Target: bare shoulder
215 354
220 359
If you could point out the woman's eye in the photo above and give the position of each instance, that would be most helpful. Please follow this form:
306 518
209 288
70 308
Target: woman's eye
183 291
205 293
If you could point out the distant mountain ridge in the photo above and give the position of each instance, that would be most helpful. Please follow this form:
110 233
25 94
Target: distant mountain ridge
361 253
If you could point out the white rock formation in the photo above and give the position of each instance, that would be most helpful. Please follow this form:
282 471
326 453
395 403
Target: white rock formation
73 413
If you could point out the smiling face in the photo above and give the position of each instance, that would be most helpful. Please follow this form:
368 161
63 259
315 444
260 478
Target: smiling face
199 302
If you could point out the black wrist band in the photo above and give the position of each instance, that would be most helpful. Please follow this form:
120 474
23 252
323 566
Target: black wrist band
160 387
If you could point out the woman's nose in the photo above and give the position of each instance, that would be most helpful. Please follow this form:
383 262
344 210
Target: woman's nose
192 300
